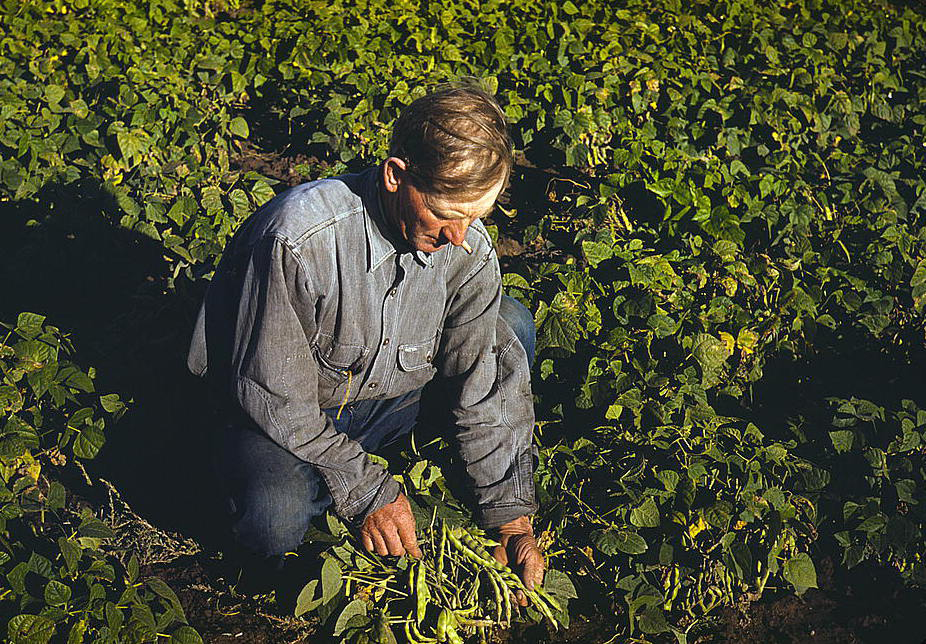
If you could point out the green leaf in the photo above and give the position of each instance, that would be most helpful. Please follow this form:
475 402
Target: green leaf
30 629
111 403
131 146
88 442
799 571
131 569
56 497
614 540
161 588
29 325
182 209
79 380
76 634
335 526
331 579
873 523
240 203
306 602
70 552
560 327
842 439
262 192
114 616
646 515
559 586
718 514
56 593
239 127
918 286
596 252
653 621
614 411
662 325
90 526
10 399
54 94
710 352
741 557
669 479
185 635
356 607
211 199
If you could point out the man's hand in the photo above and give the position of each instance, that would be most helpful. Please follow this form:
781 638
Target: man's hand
519 551
391 530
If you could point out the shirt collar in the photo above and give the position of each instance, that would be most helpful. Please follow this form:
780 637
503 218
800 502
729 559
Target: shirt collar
381 241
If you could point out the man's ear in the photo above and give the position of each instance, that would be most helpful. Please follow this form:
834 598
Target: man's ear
393 173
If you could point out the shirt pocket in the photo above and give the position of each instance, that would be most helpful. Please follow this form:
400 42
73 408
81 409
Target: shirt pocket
416 362
338 365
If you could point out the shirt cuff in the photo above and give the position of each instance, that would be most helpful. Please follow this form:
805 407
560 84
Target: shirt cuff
498 515
387 492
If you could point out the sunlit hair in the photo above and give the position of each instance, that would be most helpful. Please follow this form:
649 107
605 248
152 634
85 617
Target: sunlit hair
454 142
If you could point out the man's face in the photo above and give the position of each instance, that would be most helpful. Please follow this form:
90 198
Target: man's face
428 224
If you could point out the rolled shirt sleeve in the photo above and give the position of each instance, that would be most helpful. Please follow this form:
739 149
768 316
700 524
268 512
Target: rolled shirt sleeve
266 296
485 369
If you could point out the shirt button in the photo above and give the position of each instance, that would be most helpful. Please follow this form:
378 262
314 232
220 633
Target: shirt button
372 385
392 293
386 342
428 358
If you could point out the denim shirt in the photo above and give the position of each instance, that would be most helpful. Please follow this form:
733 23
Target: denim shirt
316 302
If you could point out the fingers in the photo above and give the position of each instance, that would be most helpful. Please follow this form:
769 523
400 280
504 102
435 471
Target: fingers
408 539
393 542
501 554
379 543
391 530
533 572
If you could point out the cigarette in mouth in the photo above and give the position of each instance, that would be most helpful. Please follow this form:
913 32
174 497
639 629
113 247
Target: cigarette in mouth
467 247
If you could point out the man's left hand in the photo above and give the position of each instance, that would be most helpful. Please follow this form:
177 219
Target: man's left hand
518 550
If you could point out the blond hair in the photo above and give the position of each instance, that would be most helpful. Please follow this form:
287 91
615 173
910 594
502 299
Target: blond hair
454 141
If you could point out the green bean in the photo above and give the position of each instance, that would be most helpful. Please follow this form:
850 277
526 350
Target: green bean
417 633
506 595
443 623
422 595
413 635
441 551
488 561
543 608
498 596
474 545
550 600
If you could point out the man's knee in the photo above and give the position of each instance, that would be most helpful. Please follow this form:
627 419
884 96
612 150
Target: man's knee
270 514
521 321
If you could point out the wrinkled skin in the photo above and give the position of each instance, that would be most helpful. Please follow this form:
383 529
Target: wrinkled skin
391 530
429 222
518 550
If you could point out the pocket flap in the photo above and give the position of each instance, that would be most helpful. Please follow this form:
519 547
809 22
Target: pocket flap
416 356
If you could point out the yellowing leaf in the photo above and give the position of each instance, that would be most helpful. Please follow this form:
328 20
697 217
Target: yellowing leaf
695 528
746 340
728 341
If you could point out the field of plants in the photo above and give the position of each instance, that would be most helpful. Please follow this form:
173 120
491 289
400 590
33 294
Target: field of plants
717 217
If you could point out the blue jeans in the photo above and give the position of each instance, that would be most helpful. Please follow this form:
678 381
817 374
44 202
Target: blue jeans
271 496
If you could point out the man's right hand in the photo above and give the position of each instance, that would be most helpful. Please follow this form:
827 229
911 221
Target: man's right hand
391 530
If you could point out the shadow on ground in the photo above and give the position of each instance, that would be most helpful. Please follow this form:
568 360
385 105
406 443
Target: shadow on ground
106 286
